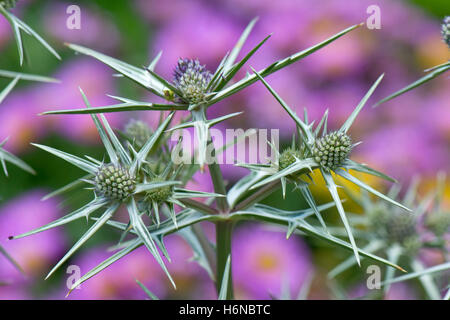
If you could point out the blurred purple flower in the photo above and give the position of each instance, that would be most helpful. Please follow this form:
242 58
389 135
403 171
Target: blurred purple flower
5 32
200 27
163 11
93 31
19 120
262 259
34 253
397 291
118 280
404 150
96 80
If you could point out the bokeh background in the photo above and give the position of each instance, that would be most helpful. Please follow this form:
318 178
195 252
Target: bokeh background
405 137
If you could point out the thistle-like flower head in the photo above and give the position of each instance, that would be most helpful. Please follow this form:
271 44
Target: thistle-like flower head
332 150
8 4
114 182
445 30
438 222
192 79
288 157
160 194
138 131
401 226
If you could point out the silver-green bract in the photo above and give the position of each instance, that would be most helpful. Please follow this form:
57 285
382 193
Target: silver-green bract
19 27
326 151
391 232
110 199
187 218
217 88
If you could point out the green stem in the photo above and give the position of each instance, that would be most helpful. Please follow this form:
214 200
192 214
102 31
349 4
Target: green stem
258 195
214 168
219 186
223 245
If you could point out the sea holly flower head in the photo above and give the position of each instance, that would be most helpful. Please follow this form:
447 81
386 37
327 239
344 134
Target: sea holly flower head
160 194
438 219
138 132
114 182
445 30
392 232
332 150
401 226
192 79
438 222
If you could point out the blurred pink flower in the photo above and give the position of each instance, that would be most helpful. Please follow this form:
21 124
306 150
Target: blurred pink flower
263 258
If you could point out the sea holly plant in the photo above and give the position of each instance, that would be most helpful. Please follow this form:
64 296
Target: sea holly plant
400 236
322 150
139 173
193 87
127 178
432 72
19 27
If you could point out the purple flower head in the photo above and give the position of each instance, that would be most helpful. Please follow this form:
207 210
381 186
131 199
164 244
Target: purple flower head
262 259
192 79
